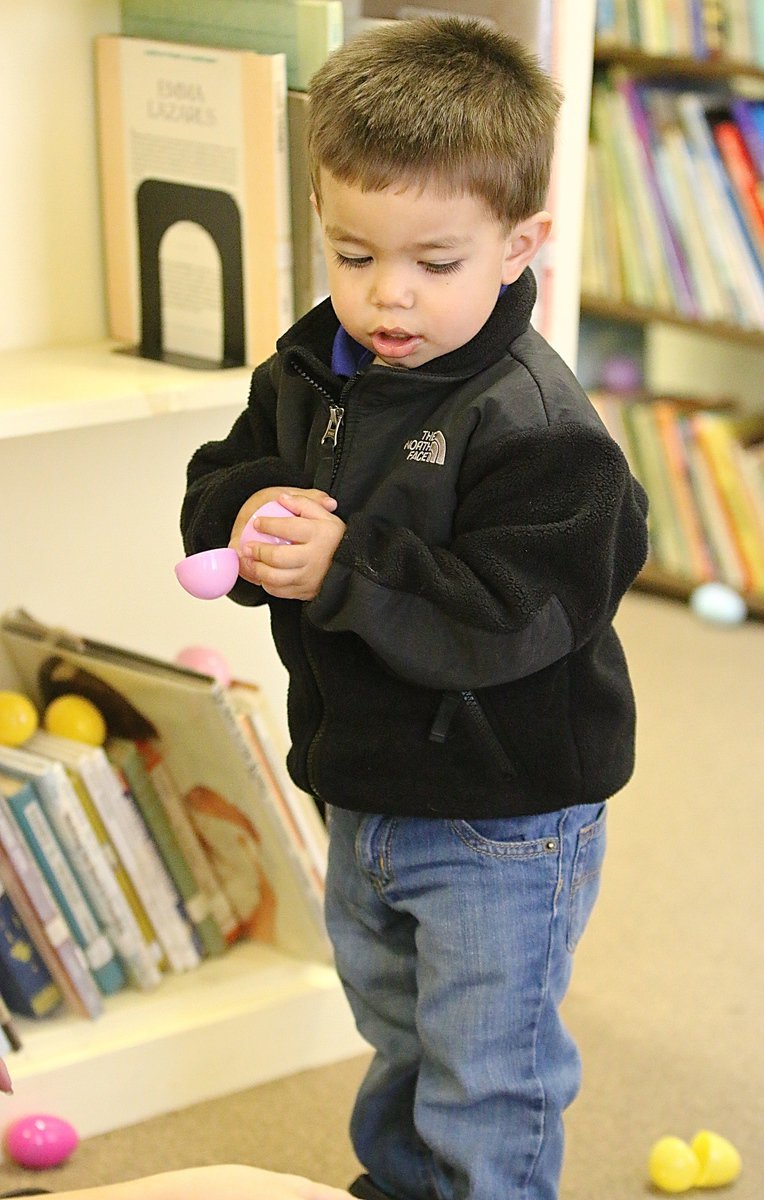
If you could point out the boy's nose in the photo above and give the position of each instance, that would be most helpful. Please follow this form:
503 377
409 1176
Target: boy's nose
391 289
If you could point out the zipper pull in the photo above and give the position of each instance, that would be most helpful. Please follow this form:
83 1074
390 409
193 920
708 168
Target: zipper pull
332 431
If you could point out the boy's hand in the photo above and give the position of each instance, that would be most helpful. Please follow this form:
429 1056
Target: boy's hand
294 572
257 499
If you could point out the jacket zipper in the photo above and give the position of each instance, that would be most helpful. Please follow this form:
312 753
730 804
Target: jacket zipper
449 705
332 434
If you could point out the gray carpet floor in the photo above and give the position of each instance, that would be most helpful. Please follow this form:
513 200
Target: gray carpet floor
666 998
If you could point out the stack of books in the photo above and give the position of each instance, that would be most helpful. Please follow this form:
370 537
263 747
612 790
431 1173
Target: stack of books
675 200
703 470
122 863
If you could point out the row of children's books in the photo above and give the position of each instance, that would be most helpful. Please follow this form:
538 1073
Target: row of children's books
142 857
704 29
703 470
675 200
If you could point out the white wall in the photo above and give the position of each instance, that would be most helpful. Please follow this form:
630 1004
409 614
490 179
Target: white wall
89 537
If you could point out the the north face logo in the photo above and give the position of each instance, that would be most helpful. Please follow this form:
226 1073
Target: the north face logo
430 447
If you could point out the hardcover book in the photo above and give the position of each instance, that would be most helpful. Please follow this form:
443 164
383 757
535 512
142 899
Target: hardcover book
306 31
195 199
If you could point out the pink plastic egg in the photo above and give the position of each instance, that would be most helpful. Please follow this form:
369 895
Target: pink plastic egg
205 660
209 574
270 509
39 1141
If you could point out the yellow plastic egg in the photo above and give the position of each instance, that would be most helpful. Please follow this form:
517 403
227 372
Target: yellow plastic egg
18 718
75 717
673 1165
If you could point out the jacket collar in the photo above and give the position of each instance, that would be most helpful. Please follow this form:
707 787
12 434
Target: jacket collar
309 342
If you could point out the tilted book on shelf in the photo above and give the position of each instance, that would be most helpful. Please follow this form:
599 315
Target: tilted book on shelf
306 31
26 806
26 983
125 755
195 199
191 845
92 858
207 755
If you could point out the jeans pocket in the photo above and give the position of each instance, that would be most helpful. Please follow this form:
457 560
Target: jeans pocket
585 881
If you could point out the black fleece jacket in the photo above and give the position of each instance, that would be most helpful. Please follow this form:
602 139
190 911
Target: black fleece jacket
459 659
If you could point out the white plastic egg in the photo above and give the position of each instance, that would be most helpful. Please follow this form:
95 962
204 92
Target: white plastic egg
718 603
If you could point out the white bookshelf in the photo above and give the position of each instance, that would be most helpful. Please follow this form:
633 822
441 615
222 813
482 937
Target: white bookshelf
247 1017
93 448
47 389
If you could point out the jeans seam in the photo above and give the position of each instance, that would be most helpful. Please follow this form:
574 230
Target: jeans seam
544 999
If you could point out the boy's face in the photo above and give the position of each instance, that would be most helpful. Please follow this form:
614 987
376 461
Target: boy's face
413 273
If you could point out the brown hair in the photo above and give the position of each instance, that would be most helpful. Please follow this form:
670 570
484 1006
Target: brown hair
445 102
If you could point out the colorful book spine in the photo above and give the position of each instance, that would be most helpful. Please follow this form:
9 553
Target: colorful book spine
126 757
151 959
715 438
25 981
26 807
67 963
700 561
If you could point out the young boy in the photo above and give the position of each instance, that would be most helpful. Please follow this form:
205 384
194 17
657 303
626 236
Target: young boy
463 532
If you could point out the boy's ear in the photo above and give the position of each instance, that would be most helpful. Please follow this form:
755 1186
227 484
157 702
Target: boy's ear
524 243
314 202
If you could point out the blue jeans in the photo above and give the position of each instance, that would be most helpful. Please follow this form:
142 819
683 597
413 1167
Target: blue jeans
454 942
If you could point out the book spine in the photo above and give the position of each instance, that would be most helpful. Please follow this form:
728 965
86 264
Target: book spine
715 439
51 860
743 175
188 840
88 998
715 517
701 563
727 231
27 984
742 111
141 860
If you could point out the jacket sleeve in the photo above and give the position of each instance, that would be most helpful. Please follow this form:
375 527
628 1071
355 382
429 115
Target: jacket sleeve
549 533
222 475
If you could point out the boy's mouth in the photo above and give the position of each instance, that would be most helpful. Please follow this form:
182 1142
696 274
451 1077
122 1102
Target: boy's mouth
394 343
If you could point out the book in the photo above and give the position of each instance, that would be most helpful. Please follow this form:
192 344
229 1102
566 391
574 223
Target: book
125 755
691 208
209 759
678 273
304 829
195 199
26 984
730 239
740 168
715 437
171 800
745 113
310 280
667 537
26 806
92 857
10 1038
699 561
131 842
36 905
305 31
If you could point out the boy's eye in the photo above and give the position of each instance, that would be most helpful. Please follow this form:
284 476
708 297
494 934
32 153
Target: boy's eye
446 268
342 260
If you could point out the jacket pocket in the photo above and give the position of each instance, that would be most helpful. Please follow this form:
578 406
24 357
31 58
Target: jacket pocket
467 709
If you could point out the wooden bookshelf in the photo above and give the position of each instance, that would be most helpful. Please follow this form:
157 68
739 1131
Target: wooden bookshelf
663 583
634 314
707 69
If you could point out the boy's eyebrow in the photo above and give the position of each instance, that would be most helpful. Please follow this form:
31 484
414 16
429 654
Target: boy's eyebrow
337 234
